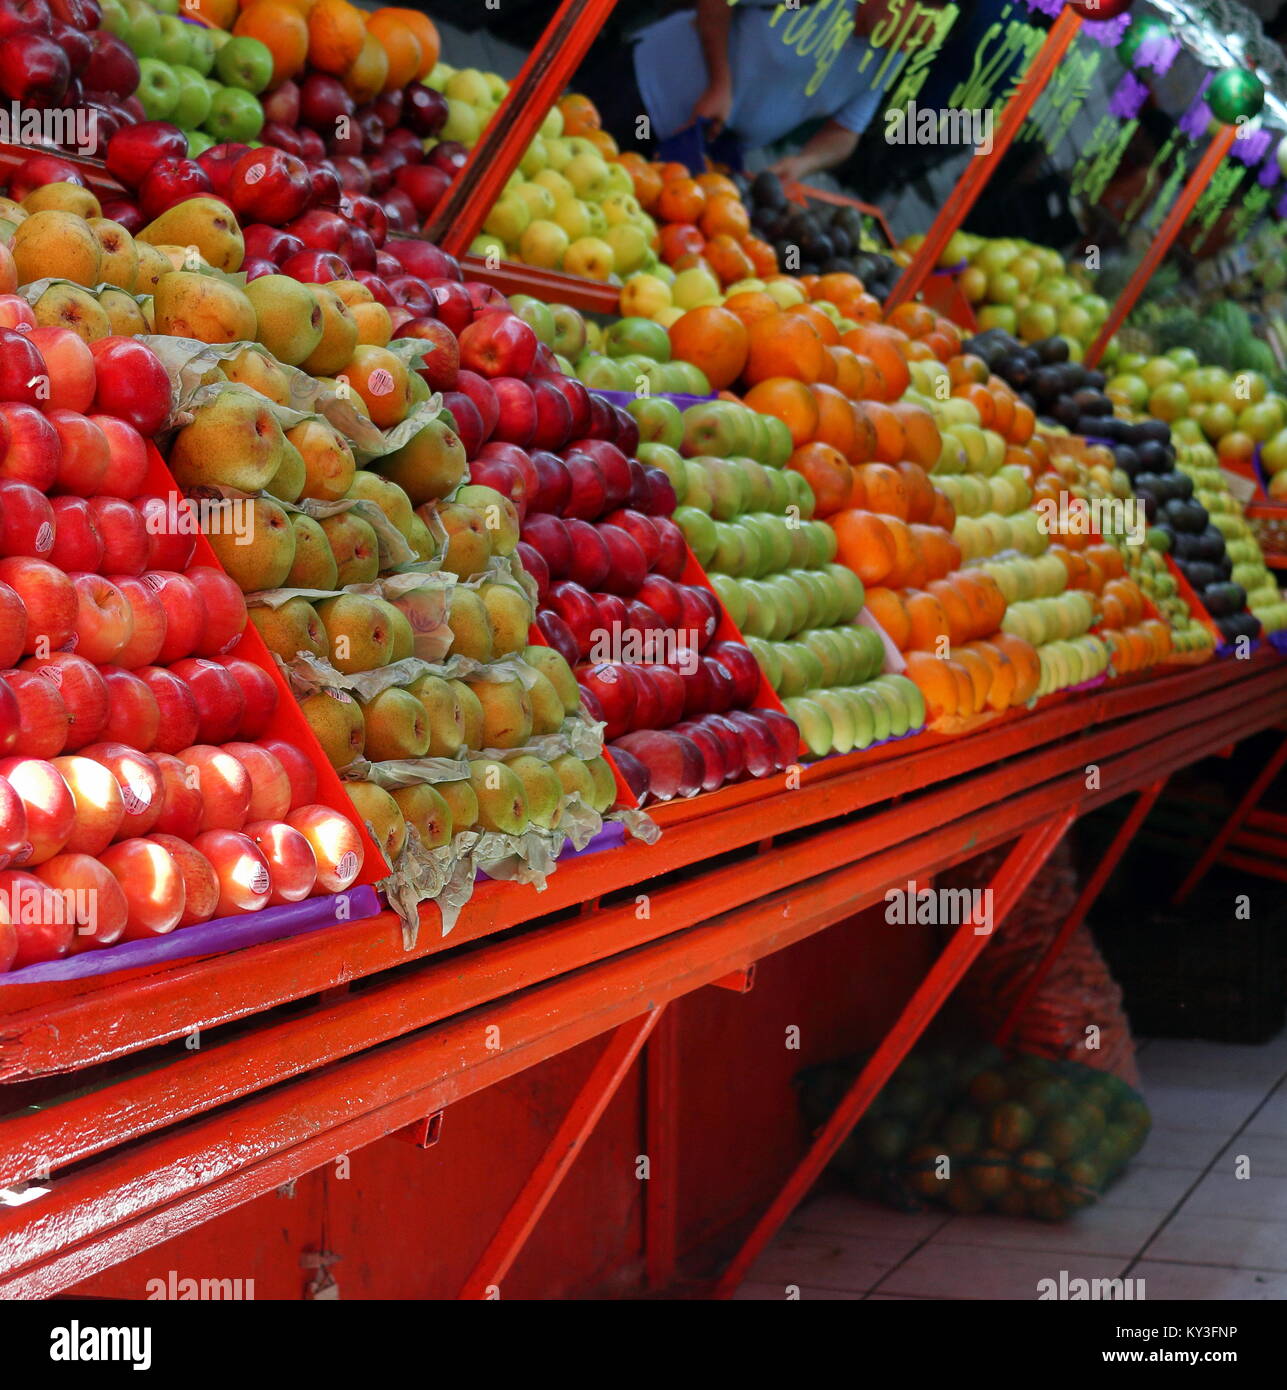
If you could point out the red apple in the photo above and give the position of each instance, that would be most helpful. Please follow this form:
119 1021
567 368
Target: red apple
8 939
224 784
89 891
128 469
225 610
591 561
13 824
26 521
13 626
49 598
148 636
104 622
316 267
71 367
182 805
152 884
712 750
451 298
42 715
442 359
672 553
674 763
10 718
132 384
633 772
100 806
424 110
741 666
425 259
185 614
51 812
43 931
516 414
669 685
553 483
498 344
299 769
759 746
291 861
722 686
82 690
171 533
29 445
140 783
784 733
424 184
578 399
534 563
613 687
578 610
553 416
172 181
259 693
220 703
702 613
627 567
178 707
77 544
335 843
660 499
16 313
270 797
200 882
613 466
123 531
559 636
245 883
133 151
133 715
587 495
467 420
36 70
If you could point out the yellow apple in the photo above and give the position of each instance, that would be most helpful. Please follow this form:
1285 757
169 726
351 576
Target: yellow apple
642 296
590 257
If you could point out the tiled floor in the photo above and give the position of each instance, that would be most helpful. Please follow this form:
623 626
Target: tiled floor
1201 1213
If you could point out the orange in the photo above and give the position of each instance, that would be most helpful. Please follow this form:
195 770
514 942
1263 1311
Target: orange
826 472
1093 577
909 563
603 142
763 257
692 261
1001 687
864 544
727 259
916 320
790 400
1158 635
837 287
725 216
920 491
645 177
850 376
836 423
1027 668
865 308
426 33
717 185
1112 611
1024 423
944 513
887 608
750 305
942 554
1109 560
366 78
1128 593
960 621
924 443
981 399
401 47
917 350
680 239
673 170
714 340
582 111
280 27
882 345
1003 403
785 346
827 330
336 33
885 490
979 671
891 441
933 677
681 201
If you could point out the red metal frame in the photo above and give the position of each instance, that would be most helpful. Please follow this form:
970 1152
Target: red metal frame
1163 239
558 52
979 169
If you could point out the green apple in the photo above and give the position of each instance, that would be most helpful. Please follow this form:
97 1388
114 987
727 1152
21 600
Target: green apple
729 592
814 723
861 713
843 728
198 143
174 46
699 531
657 454
637 335
115 19
246 63
659 422
509 218
596 370
235 115
569 331
697 485
538 316
201 49
193 105
145 29
158 89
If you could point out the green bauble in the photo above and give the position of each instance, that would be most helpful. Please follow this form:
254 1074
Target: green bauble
1146 26
1235 93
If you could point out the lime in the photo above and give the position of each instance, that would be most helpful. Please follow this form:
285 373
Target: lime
1011 1126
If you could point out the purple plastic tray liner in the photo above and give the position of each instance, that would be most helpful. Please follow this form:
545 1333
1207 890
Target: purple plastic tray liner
208 938
623 398
1278 641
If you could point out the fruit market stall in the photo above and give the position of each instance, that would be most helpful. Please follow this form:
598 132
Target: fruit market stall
444 691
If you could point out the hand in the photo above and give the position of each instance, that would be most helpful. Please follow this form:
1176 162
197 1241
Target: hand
791 166
714 106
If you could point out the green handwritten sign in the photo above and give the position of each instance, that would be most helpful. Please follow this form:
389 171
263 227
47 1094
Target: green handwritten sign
1094 171
1064 96
1003 41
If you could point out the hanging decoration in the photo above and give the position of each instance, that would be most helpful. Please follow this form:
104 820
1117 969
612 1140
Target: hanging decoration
1235 94
1096 11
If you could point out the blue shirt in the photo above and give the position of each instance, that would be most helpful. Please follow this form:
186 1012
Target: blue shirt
776 87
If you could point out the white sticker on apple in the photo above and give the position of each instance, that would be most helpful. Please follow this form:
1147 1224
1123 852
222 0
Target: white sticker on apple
45 537
259 880
347 867
137 798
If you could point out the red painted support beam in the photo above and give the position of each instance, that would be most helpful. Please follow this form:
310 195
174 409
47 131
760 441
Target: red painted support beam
1012 878
569 1139
661 1144
979 169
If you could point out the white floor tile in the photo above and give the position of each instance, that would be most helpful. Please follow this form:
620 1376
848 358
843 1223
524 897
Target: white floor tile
844 1214
1178 1147
1151 1188
1257 1198
851 1263
1266 1155
1193 1237
978 1272
1179 1281
1175 1061
1272 1118
1199 1107
1098 1230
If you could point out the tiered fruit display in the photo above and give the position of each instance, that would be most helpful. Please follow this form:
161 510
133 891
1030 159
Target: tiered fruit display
138 793
1025 289
749 522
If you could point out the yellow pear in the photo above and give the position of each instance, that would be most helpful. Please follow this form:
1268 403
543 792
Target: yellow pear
205 223
57 245
188 305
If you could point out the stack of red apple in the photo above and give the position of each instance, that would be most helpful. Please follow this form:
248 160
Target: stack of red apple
54 56
137 794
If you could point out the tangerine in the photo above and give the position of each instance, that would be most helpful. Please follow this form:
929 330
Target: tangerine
785 346
788 399
827 473
713 339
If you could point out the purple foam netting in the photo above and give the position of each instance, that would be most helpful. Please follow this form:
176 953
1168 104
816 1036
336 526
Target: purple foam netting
1278 641
208 938
623 398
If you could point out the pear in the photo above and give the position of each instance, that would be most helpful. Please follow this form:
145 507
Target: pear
389 497
575 778
63 197
469 544
354 544
66 306
358 635
339 338
554 668
351 292
256 547
314 566
421 539
119 264
153 264
605 784
428 466
471 714
499 515
328 460
383 817
471 633
461 801
57 245
404 639
288 317
124 316
547 708
188 305
541 787
442 706
292 628
234 440
260 373
205 223
425 808
502 802
509 614
507 712
287 483
335 718
396 726
13 212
